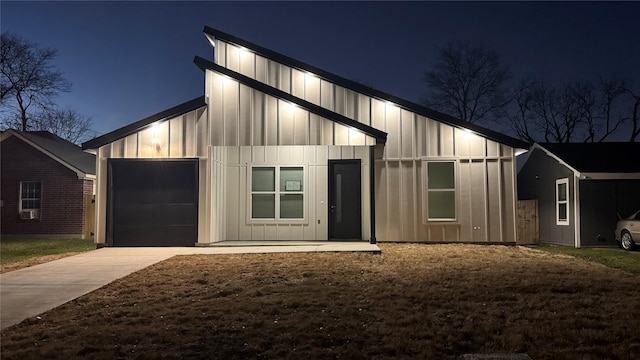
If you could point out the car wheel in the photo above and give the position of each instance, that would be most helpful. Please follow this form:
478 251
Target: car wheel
626 241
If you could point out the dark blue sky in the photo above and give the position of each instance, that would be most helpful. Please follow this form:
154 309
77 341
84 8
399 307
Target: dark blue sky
129 60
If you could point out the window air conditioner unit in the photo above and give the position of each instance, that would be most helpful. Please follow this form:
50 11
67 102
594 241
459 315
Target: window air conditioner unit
28 214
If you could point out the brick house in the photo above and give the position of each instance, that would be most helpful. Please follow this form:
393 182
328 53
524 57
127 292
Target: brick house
47 186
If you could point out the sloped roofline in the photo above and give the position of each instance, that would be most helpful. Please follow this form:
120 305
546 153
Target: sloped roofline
379 135
584 175
125 131
80 173
212 33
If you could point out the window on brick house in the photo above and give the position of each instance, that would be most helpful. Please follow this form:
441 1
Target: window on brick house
30 192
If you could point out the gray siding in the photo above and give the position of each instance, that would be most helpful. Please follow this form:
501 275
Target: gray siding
537 180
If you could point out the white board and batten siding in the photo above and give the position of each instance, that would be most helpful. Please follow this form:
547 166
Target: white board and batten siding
485 169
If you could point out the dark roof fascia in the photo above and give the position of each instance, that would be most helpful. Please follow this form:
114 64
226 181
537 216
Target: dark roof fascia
144 123
379 135
408 105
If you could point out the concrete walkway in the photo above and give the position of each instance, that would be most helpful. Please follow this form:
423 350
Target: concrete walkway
31 291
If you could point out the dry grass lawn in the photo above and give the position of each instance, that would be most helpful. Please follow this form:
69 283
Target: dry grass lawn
413 301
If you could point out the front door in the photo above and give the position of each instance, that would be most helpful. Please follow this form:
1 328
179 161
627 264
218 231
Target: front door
345 215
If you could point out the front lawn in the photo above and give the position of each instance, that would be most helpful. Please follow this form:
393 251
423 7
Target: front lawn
612 257
16 253
410 302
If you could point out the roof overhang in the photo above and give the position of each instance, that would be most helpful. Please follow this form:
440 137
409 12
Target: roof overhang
519 145
582 175
81 174
379 135
95 143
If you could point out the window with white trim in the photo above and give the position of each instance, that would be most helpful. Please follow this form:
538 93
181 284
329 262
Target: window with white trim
562 201
441 190
30 192
277 193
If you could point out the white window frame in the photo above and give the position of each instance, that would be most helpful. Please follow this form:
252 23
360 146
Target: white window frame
564 181
21 199
277 193
455 190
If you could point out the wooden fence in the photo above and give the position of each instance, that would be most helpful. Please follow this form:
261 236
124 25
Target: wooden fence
89 216
527 221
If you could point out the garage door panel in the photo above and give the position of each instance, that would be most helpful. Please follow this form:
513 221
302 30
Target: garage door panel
153 202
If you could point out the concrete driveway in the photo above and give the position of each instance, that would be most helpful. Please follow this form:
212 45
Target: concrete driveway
31 291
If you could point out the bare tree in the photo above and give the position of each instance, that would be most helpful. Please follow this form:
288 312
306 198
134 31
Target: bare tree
635 121
467 82
28 78
66 123
578 111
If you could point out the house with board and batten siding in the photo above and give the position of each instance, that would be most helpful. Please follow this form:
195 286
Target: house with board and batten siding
277 149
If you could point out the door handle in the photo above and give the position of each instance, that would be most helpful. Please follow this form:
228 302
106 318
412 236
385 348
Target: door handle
332 208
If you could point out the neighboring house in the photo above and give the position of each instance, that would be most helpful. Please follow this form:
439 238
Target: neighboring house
46 184
277 149
581 189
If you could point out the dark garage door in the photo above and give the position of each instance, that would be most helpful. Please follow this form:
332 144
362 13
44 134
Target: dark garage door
152 202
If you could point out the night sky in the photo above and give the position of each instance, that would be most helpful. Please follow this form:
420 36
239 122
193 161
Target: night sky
129 60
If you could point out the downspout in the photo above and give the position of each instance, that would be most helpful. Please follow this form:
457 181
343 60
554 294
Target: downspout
372 194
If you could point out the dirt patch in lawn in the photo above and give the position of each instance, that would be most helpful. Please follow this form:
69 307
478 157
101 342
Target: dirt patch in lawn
413 301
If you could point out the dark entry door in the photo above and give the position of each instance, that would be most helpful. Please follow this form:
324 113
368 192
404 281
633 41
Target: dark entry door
152 202
345 217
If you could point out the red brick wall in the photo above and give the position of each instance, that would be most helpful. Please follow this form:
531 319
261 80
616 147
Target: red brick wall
61 205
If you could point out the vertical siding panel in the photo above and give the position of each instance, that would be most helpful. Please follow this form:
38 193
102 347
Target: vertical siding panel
230 113
176 135
257 154
297 83
315 129
339 100
245 126
463 140
190 135
232 193
285 123
258 118
364 109
216 83
508 201
477 145
245 231
463 212
309 232
257 232
335 152
270 232
247 63
478 201
300 126
347 152
131 150
492 148
421 136
271 123
381 200
349 104
233 58
296 154
327 135
284 79
446 140
407 204
220 56
261 69
322 175
393 200
408 134
326 95
273 73
296 232
312 89
433 138
494 199
341 135
392 119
